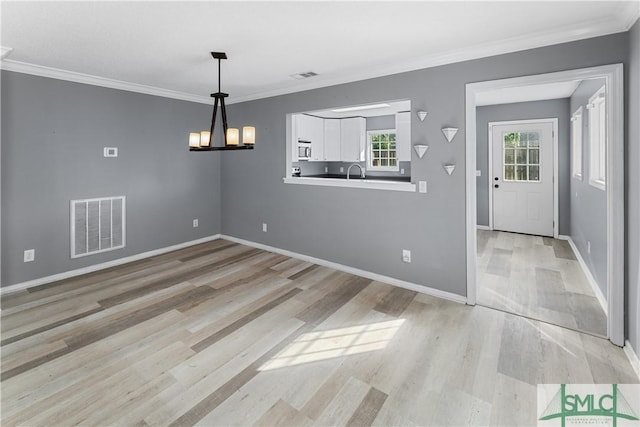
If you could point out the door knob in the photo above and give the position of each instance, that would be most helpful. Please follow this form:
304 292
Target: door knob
496 186
496 178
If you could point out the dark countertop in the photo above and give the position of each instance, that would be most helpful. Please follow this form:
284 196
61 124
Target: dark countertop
357 176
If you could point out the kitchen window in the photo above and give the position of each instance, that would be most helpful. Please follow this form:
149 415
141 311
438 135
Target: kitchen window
382 154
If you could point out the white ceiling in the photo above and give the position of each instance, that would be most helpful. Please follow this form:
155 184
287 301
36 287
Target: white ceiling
166 44
527 93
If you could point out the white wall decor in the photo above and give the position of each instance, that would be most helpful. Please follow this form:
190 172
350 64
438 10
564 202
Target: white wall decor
449 133
449 168
420 149
421 115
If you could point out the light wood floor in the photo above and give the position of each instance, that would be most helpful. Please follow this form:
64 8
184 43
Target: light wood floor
223 334
537 277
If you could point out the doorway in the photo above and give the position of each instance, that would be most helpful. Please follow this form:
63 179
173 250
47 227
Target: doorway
614 280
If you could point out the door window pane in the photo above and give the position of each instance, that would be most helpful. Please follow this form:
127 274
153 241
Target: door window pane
509 157
509 173
521 156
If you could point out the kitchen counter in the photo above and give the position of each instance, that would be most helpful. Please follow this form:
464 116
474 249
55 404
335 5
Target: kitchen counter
393 183
356 177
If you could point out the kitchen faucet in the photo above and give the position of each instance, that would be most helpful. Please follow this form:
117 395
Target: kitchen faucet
361 170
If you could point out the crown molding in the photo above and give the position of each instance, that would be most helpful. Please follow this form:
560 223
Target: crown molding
72 76
597 28
631 14
5 51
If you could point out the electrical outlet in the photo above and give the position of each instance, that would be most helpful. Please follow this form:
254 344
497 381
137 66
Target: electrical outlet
401 171
326 169
29 255
422 186
478 173
341 169
264 227
588 247
406 255
195 223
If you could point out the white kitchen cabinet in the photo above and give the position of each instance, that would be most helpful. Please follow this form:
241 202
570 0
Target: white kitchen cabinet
332 140
352 139
311 129
403 136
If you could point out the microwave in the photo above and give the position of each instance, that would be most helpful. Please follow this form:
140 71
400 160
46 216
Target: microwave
304 150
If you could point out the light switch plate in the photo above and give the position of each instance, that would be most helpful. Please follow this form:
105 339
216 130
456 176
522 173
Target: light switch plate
422 186
478 173
29 255
406 255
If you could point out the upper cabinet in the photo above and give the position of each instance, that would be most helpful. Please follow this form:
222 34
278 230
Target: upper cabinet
332 139
352 138
403 136
310 129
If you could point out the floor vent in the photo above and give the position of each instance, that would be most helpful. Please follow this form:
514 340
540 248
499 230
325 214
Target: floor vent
97 225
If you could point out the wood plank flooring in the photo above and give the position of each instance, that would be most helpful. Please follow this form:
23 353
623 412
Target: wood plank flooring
537 277
224 334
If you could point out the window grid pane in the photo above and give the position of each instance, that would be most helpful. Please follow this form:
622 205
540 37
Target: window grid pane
521 156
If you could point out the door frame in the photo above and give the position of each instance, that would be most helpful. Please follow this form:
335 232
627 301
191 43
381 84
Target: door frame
613 75
554 141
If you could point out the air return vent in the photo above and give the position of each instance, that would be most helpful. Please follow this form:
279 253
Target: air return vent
97 225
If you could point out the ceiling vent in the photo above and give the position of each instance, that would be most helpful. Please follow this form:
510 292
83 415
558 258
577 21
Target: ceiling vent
306 75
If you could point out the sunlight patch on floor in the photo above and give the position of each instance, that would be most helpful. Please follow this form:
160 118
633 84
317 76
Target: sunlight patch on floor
322 345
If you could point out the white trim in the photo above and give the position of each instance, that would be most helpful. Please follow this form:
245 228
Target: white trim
592 281
483 227
584 30
370 184
71 76
554 142
102 266
576 139
615 180
633 357
600 27
363 273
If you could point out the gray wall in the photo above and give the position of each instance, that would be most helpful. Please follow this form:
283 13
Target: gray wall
589 204
368 229
556 108
632 188
53 133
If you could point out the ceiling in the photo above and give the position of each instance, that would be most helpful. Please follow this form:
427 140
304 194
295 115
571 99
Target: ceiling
166 45
527 93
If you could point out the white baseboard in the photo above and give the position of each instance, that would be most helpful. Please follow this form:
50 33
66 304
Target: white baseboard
104 265
592 281
483 227
369 275
633 357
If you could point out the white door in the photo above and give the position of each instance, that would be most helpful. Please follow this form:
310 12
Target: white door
522 181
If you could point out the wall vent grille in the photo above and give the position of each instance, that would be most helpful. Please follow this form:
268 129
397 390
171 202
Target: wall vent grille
97 225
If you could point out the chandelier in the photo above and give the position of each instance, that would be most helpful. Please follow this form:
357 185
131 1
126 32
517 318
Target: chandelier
203 141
